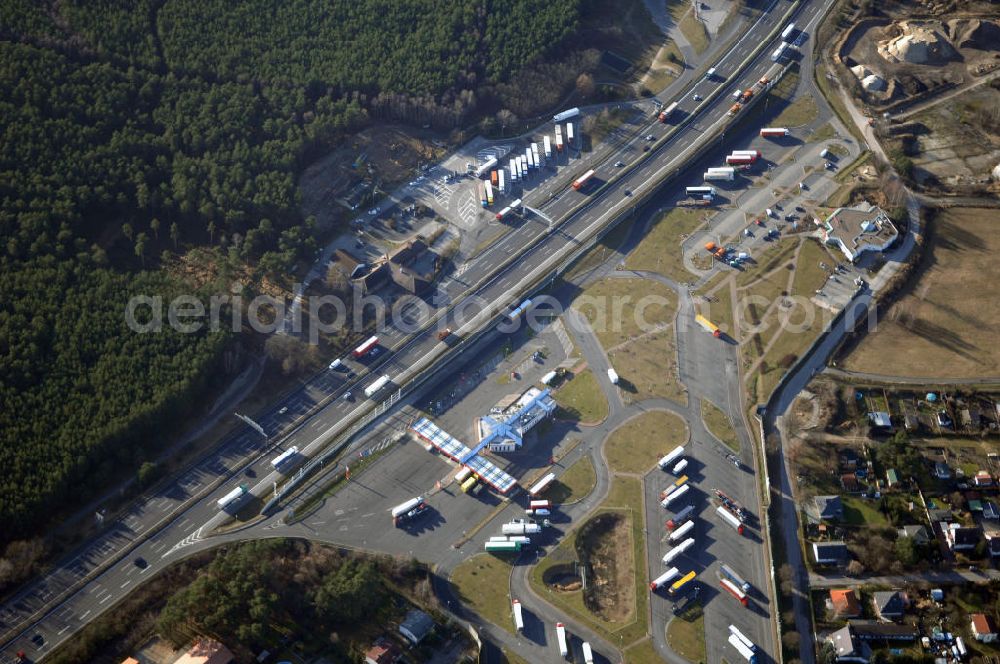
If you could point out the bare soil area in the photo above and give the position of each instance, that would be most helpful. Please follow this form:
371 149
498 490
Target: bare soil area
610 591
944 325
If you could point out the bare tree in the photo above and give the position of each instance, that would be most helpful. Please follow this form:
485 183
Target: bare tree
506 118
585 85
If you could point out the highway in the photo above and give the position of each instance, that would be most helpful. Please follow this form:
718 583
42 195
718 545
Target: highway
31 624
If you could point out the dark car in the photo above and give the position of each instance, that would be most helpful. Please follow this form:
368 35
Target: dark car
38 640
140 563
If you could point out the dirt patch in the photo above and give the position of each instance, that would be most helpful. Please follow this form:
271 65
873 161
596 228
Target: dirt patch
605 548
944 324
563 578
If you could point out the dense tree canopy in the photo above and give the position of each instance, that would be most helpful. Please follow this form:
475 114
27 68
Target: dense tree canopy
130 128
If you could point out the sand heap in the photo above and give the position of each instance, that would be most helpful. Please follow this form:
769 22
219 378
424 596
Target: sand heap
974 33
918 44
870 81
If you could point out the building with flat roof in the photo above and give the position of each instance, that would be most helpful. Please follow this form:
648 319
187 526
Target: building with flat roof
856 230
503 430
416 626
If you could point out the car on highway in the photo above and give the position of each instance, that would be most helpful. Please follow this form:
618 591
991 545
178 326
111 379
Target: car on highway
628 192
650 137
38 640
696 97
619 164
348 396
284 409
374 211
336 365
140 563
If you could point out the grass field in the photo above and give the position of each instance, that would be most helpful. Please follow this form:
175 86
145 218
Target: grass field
859 512
625 496
660 249
633 319
619 310
944 324
719 425
481 582
582 399
578 480
635 446
692 29
686 634
642 653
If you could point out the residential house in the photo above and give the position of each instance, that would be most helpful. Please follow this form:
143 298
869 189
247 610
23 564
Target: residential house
416 626
383 651
880 420
849 460
847 648
889 604
982 479
850 483
941 514
859 229
990 510
916 533
910 421
830 553
993 544
942 471
844 603
961 538
983 628
891 478
350 265
825 508
206 651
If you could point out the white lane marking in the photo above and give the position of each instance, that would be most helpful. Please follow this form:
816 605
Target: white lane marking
62 630
83 616
105 599
126 583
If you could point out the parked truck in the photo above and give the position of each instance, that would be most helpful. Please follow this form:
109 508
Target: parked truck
739 160
513 170
729 518
559 139
518 619
733 590
700 191
613 376
678 550
730 574
521 527
708 325
561 637
588 655
486 167
502 182
683 515
726 174
489 193
747 153
664 579
481 193
773 132
503 213
747 654
677 484
541 485
786 34
231 498
569 134
674 496
502 547
547 145
680 583
735 631
671 458
679 468
733 505
681 533
536 155
412 508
